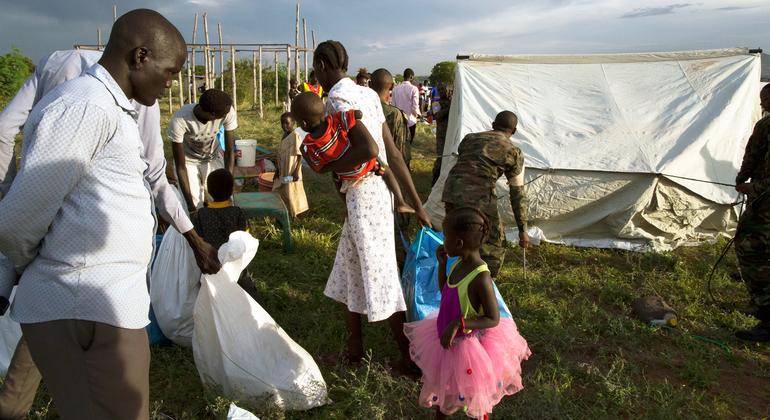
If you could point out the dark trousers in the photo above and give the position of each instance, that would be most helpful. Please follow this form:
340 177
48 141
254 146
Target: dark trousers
93 370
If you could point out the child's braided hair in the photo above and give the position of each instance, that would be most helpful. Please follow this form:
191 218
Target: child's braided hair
463 219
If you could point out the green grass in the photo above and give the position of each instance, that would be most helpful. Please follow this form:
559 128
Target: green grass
590 358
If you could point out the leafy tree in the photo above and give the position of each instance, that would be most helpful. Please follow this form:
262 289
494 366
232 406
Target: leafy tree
443 72
14 69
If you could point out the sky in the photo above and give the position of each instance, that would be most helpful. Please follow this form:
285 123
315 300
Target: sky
414 34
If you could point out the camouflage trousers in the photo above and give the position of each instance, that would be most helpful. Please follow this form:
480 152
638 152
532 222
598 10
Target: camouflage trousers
752 247
493 249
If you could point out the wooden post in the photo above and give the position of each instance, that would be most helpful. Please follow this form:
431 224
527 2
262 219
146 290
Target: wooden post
261 114
221 58
304 25
288 69
194 85
232 72
99 38
313 33
181 92
170 105
206 52
275 66
189 82
254 79
296 44
114 13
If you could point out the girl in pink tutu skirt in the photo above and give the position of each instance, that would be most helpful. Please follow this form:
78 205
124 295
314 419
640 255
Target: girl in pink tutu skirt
469 356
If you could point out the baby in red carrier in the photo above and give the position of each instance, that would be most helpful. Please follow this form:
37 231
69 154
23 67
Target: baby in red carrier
338 143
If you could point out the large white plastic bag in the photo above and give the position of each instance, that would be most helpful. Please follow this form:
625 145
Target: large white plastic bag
237 345
174 285
237 413
10 331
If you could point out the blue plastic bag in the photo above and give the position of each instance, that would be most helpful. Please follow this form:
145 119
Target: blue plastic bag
419 279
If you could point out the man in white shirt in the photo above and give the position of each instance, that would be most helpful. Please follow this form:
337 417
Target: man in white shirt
406 97
78 222
21 381
192 131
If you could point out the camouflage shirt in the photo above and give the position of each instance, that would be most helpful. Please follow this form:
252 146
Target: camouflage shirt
483 158
756 167
396 120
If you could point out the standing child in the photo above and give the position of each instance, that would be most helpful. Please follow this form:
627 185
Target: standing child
220 218
331 140
469 356
288 179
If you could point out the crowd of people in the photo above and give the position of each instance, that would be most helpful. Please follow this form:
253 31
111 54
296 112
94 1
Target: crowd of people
94 172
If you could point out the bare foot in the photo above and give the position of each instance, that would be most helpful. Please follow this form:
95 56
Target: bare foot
407 368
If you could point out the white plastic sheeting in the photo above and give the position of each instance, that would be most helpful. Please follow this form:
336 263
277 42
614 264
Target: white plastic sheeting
608 138
237 345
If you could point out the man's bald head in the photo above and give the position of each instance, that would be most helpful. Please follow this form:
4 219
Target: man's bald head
143 54
506 121
144 28
381 82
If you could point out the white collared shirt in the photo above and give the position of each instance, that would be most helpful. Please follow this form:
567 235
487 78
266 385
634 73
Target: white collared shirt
57 68
406 97
78 219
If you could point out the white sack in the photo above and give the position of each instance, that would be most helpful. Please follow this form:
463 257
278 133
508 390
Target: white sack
10 333
237 413
174 286
237 345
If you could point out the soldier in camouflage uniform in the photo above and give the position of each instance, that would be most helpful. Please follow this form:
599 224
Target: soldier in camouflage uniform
752 238
382 82
483 158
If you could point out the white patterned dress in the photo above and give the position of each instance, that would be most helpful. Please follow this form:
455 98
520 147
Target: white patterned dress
365 275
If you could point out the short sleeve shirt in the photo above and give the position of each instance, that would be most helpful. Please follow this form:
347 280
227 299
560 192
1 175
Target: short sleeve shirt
483 158
199 139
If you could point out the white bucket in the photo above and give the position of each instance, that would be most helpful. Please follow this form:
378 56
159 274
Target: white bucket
245 152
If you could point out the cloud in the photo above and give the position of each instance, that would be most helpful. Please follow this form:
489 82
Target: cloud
655 11
732 8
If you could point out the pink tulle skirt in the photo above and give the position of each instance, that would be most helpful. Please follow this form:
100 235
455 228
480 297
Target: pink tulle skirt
475 373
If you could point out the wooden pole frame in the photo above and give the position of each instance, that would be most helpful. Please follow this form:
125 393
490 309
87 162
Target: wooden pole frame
261 113
232 73
114 13
275 67
254 79
304 25
206 52
296 43
221 58
194 82
181 92
288 70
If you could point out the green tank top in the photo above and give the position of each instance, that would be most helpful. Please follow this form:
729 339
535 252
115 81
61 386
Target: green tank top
462 290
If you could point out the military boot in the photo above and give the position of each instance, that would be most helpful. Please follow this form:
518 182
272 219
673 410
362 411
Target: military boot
761 332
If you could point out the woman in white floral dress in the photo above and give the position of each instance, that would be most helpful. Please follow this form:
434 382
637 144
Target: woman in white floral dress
365 275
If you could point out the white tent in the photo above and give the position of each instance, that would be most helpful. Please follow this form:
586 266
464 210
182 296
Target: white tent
624 150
